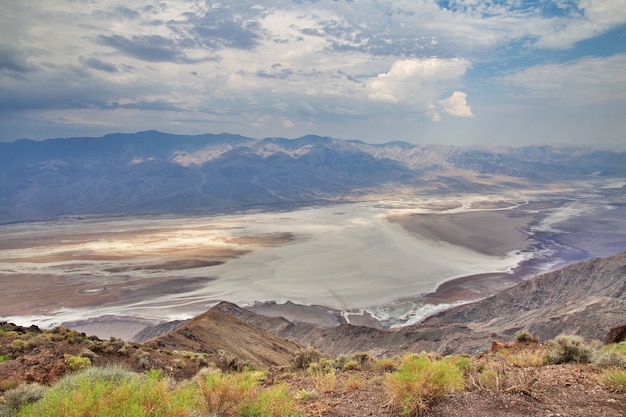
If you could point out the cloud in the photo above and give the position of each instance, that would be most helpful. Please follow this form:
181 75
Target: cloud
15 60
97 64
455 105
372 68
151 48
587 80
225 27
413 80
154 105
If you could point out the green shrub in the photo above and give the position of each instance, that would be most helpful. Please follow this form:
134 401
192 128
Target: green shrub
354 382
272 402
224 394
5 358
351 365
419 381
103 393
615 378
461 362
18 345
76 363
324 378
385 365
568 349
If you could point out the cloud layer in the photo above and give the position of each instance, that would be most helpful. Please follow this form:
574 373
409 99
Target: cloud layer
422 71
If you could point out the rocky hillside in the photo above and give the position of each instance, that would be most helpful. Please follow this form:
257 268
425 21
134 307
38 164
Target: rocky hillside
87 376
587 299
154 172
217 334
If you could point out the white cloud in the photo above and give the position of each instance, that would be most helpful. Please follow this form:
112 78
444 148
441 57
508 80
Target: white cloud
588 80
415 80
595 18
455 105
290 66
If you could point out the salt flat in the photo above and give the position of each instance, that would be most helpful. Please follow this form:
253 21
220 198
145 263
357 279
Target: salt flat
352 257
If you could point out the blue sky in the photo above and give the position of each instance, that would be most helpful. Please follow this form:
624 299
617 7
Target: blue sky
503 72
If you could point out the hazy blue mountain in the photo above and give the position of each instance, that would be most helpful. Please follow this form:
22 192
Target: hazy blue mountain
154 172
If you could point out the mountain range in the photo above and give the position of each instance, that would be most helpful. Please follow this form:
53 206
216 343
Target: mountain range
154 172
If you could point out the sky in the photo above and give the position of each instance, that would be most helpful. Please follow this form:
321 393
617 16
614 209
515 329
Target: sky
498 72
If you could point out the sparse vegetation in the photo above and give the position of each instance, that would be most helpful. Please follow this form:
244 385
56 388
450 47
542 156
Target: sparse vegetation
569 349
524 336
385 365
323 375
221 385
20 396
305 357
419 381
76 363
354 382
104 393
615 378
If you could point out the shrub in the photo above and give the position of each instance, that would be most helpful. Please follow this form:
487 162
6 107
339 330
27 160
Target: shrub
8 383
611 356
322 375
143 359
23 394
305 357
273 402
202 360
385 365
224 394
17 345
230 361
609 359
525 358
419 381
490 376
76 363
354 382
615 378
568 349
88 353
304 395
110 374
5 358
351 365
118 393
461 362
524 336
179 363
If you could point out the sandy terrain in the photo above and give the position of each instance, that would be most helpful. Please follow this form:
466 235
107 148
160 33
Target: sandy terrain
388 263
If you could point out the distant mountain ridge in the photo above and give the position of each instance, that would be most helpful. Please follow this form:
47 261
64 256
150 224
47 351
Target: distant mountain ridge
155 172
